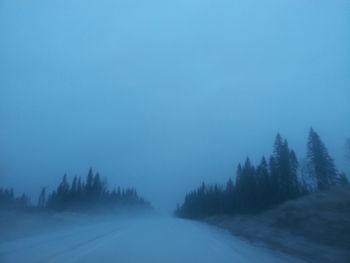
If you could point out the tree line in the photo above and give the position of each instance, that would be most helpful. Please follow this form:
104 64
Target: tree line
8 200
273 181
78 195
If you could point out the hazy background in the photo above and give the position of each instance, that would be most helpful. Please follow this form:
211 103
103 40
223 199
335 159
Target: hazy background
162 95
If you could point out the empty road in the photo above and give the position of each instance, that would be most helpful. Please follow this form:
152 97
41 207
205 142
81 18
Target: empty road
141 240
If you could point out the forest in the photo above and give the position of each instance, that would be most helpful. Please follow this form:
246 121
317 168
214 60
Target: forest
255 188
79 195
272 182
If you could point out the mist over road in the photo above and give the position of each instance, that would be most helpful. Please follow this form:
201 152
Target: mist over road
150 239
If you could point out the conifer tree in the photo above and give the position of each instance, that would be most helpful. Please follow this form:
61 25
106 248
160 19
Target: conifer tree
229 198
97 186
91 194
263 185
74 187
294 183
255 189
286 166
321 165
89 181
246 187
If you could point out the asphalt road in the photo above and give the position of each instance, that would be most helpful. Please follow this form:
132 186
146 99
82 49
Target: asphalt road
150 239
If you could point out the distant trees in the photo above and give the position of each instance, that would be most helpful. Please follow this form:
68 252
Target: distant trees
92 193
78 195
256 187
260 187
8 200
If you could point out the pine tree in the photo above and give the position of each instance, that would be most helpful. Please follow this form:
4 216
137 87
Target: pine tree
295 187
281 153
74 187
263 185
285 170
62 194
246 186
89 181
79 188
97 186
321 165
274 182
229 198
63 188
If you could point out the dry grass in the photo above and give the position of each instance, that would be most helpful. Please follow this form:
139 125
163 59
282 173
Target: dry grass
321 217
315 227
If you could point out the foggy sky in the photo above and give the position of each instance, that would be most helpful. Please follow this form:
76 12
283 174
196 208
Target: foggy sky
162 95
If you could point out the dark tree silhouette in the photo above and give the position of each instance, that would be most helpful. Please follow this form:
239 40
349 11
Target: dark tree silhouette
285 170
9 201
264 186
321 165
92 194
264 198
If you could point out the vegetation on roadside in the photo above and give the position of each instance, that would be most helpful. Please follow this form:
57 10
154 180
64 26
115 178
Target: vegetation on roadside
270 183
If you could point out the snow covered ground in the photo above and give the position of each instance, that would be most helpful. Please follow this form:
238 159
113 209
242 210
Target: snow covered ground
144 239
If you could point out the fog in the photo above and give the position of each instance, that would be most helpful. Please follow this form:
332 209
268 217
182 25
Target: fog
163 95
